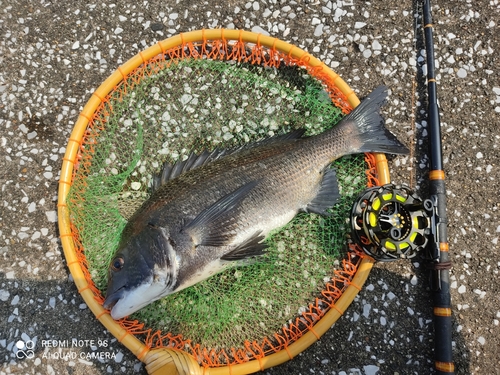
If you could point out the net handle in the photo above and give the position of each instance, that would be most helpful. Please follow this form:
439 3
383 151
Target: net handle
160 361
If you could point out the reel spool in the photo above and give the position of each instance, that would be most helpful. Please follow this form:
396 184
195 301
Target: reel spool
391 222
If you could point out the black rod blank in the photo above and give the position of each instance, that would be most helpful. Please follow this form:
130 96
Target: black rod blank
443 356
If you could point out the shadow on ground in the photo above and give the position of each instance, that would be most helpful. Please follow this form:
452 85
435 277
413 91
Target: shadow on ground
387 328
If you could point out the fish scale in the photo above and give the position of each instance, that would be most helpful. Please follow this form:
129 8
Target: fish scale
214 210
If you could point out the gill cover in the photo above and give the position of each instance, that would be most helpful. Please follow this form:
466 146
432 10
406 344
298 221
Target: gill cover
143 270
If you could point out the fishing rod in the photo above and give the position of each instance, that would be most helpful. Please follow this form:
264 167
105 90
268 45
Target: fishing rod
391 222
440 263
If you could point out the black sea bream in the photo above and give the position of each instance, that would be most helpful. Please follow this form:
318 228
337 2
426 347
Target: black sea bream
214 210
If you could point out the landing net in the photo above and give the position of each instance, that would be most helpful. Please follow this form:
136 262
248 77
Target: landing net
195 96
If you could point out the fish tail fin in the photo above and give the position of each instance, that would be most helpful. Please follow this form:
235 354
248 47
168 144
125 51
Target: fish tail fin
366 127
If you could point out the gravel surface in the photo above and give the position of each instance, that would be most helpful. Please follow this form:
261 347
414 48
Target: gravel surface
54 54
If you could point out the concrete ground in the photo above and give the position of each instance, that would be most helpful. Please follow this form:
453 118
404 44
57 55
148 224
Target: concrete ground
54 54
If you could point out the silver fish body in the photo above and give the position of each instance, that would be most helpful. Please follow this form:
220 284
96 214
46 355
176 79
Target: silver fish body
215 209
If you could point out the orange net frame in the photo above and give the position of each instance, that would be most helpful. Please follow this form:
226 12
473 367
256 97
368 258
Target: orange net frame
239 51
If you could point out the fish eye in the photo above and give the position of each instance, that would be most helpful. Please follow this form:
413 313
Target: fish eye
117 264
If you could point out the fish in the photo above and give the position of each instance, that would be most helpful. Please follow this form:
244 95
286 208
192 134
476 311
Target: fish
215 209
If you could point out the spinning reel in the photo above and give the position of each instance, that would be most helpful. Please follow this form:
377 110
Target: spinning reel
391 222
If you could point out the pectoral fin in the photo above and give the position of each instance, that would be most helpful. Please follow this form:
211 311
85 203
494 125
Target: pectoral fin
210 227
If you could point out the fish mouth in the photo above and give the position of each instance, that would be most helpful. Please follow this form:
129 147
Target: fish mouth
126 300
113 298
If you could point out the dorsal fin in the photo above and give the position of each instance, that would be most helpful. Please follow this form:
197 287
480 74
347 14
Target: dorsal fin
294 134
169 171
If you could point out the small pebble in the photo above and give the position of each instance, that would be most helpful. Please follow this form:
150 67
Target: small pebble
376 45
4 295
371 370
157 26
414 280
119 357
462 73
51 216
366 310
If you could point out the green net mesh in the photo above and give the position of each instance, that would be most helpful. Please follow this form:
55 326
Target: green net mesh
164 111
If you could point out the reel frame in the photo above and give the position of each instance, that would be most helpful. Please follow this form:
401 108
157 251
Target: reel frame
391 222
